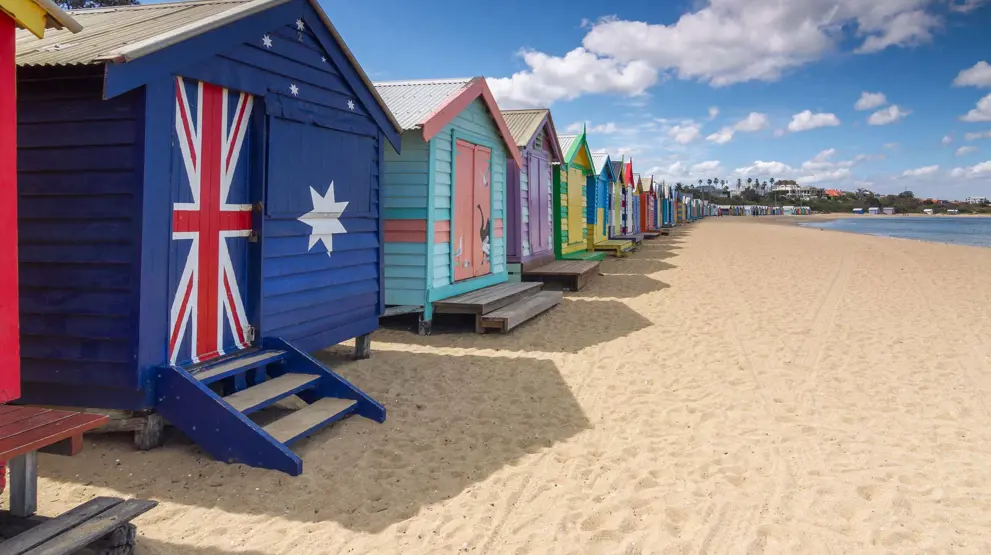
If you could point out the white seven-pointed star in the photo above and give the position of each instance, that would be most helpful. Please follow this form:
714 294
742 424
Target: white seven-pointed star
325 218
351 105
267 41
294 89
300 25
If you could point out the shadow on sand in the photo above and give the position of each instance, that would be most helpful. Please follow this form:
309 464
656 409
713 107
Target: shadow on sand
560 330
452 422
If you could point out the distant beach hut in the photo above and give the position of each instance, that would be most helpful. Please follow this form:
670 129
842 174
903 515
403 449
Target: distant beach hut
614 221
889 210
530 208
874 210
637 192
648 205
605 204
570 190
858 210
200 185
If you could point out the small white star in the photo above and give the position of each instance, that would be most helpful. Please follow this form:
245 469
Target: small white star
351 105
267 41
294 89
323 59
300 25
324 219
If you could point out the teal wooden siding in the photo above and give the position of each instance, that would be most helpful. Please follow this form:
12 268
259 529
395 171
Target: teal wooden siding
474 121
404 197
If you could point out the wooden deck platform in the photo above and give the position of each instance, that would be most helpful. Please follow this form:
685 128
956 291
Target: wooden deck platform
617 247
584 255
651 234
501 307
569 275
637 238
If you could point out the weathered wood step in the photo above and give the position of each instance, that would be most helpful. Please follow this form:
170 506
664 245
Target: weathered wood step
309 419
487 299
269 392
237 365
509 317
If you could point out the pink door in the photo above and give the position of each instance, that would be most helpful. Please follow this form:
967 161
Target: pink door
464 205
482 216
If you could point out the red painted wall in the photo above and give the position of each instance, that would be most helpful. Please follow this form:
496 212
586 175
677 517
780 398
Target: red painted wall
10 356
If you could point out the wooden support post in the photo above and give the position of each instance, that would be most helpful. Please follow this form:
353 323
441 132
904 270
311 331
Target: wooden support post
363 347
151 434
24 484
10 359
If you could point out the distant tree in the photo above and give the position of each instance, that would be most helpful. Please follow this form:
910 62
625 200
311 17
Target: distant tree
80 4
739 183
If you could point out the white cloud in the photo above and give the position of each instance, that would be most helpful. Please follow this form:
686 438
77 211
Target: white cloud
977 76
755 121
869 100
767 169
947 139
964 6
709 167
964 150
804 121
602 129
713 112
890 146
981 113
919 172
981 170
720 43
838 174
686 133
978 135
552 78
886 116
722 136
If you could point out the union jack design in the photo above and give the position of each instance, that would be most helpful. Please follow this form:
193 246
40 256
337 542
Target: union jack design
210 135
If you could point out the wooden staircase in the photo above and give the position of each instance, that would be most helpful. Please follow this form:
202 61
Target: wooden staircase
501 307
210 403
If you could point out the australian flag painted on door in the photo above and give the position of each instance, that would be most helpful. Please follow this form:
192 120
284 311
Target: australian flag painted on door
211 222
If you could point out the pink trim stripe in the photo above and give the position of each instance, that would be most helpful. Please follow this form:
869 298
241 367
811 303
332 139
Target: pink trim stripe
497 228
442 231
405 231
435 122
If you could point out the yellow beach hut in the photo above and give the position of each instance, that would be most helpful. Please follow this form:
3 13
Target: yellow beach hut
570 187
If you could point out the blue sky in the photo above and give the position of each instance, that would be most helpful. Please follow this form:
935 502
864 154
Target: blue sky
723 88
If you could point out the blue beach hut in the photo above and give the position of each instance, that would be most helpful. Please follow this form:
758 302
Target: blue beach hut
199 209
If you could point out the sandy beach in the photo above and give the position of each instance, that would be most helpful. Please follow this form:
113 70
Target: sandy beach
735 388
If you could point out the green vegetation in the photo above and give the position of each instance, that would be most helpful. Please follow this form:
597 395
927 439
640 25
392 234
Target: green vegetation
760 193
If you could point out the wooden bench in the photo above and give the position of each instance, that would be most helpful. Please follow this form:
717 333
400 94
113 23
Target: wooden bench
24 431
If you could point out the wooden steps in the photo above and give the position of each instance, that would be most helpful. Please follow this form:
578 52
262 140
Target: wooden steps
508 317
570 275
617 247
517 299
210 403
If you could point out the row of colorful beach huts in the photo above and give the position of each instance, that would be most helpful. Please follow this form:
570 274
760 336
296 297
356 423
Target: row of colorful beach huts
215 189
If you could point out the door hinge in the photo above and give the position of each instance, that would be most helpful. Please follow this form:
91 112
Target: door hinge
253 236
249 334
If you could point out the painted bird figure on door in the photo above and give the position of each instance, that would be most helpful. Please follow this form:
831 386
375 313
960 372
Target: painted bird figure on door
483 234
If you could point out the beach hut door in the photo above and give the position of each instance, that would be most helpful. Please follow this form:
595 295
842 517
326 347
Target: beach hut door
211 222
539 204
472 237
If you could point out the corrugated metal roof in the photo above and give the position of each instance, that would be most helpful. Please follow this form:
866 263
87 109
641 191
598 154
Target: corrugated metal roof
523 124
617 168
599 161
566 142
125 33
412 101
112 33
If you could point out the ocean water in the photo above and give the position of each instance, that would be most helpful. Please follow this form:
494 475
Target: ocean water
961 231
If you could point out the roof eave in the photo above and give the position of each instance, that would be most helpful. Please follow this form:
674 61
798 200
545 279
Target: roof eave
458 102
